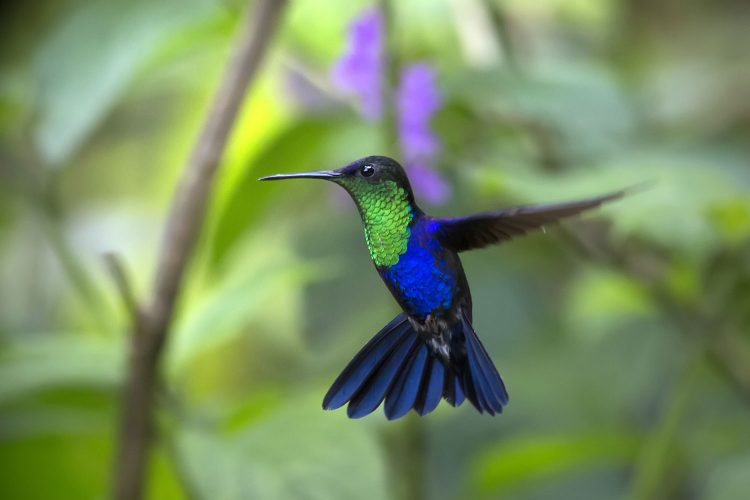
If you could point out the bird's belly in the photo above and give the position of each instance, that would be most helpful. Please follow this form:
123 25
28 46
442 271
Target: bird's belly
423 282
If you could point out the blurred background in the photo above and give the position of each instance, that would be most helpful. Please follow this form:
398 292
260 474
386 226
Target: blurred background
623 336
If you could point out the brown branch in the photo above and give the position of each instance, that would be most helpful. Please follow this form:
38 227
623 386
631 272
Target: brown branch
181 232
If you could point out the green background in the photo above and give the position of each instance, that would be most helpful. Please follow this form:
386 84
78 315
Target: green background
623 337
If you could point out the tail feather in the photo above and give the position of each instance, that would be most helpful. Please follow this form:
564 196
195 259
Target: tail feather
459 393
449 388
397 366
471 392
366 360
405 391
484 398
432 387
489 387
374 390
453 391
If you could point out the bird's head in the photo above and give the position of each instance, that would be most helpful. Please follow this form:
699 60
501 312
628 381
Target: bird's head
364 178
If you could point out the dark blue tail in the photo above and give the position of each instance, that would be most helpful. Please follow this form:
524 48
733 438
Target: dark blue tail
398 367
483 384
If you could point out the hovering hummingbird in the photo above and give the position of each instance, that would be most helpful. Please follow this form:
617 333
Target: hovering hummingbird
430 350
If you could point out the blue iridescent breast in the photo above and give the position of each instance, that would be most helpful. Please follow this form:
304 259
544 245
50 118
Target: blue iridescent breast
422 279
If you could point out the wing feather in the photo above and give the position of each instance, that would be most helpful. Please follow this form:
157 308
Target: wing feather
489 228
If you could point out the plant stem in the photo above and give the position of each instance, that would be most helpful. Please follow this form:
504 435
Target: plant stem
181 232
406 449
414 464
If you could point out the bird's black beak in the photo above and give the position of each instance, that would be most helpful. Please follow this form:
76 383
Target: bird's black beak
320 174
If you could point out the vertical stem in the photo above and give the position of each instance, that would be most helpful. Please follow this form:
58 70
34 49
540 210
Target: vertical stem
406 445
181 231
415 459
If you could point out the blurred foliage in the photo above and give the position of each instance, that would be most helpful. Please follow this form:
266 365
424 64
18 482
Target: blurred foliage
606 330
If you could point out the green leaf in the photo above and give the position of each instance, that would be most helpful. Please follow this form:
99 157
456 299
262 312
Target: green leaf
299 146
581 107
56 466
732 218
295 451
86 64
600 300
264 272
536 458
66 415
59 360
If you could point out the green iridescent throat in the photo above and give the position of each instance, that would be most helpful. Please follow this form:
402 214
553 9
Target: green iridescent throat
386 214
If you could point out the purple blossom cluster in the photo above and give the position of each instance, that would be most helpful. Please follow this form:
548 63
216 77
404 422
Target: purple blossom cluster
417 100
360 72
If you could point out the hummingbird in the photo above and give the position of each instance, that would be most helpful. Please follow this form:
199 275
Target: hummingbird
430 350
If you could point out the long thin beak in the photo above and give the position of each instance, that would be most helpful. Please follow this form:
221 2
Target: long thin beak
320 174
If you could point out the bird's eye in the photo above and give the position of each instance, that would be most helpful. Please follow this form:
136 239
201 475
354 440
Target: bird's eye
367 170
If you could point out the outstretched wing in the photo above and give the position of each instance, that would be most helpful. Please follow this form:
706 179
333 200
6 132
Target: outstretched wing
480 230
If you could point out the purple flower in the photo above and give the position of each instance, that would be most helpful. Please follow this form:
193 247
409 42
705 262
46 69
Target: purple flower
417 99
360 70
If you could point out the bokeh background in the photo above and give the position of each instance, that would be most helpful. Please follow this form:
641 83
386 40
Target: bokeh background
623 337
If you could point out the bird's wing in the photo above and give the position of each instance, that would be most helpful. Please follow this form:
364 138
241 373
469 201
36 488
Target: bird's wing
480 230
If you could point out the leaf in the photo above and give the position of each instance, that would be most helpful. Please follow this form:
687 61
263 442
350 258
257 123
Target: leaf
84 66
57 466
580 104
601 301
266 271
294 451
66 415
732 218
58 360
300 146
536 458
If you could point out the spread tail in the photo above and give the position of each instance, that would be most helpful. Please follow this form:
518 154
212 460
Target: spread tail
482 383
398 367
